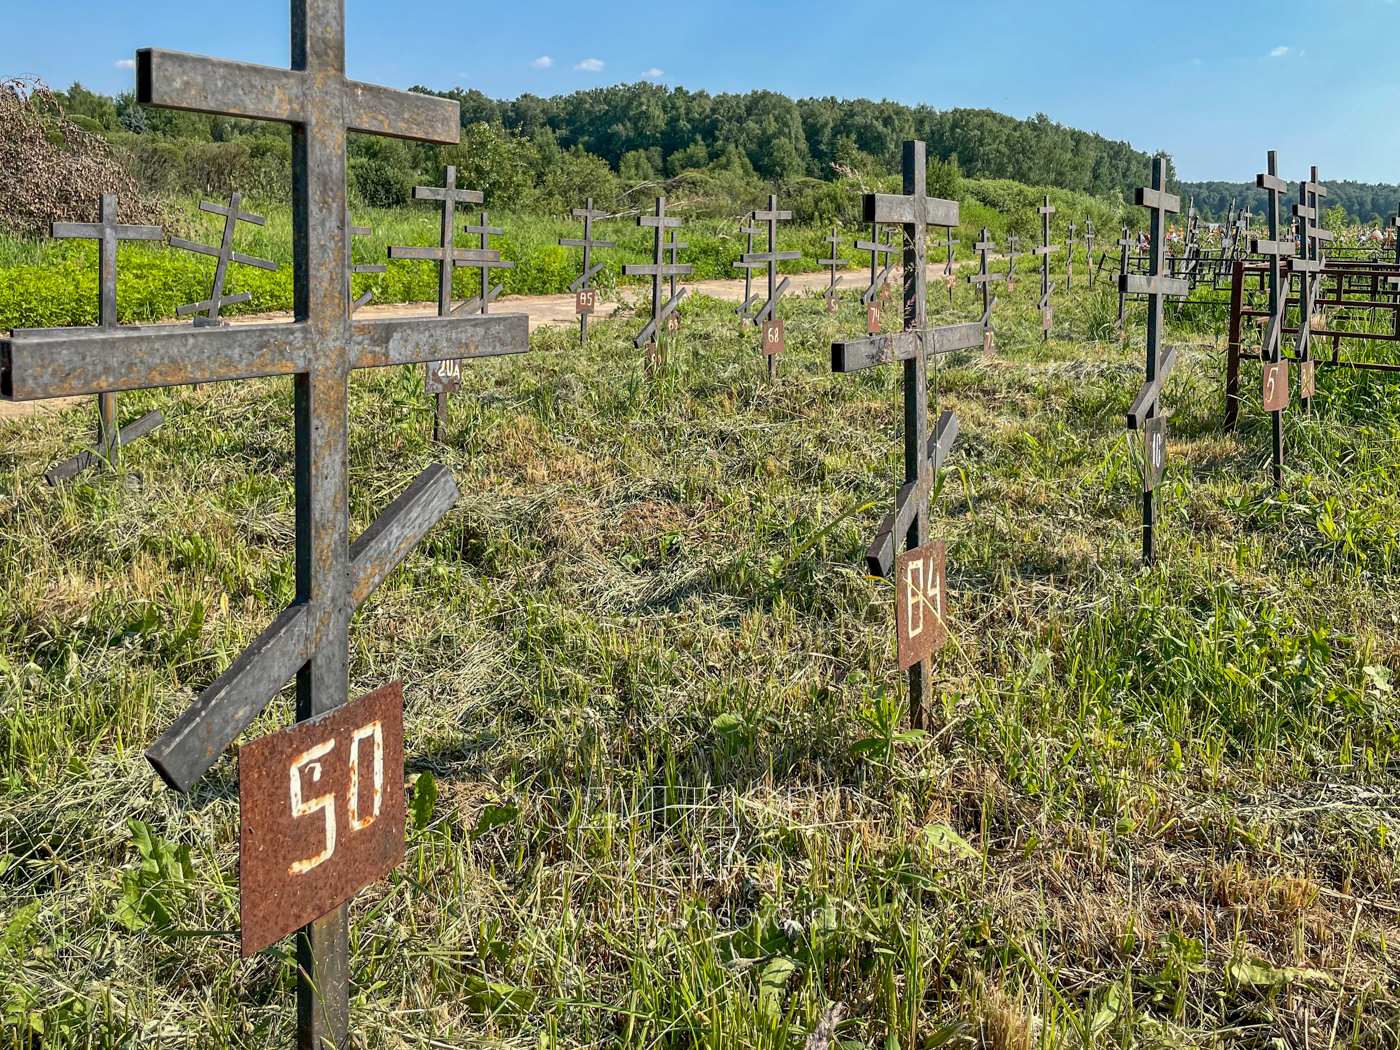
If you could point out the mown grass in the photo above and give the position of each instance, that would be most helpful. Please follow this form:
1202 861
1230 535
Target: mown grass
655 696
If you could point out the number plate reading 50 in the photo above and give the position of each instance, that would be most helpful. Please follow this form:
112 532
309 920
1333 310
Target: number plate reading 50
321 814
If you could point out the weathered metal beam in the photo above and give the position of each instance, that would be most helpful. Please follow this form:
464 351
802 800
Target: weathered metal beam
398 529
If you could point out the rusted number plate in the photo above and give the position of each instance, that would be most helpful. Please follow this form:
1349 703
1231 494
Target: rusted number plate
1154 437
921 602
444 377
1046 317
1275 386
1306 381
585 300
872 319
989 343
773 337
321 814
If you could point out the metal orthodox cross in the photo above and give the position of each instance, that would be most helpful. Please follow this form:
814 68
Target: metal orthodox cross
309 641
487 259
749 297
658 271
1045 249
879 273
225 254
1308 265
923 454
767 318
674 249
444 377
361 231
834 263
1089 248
948 279
1069 259
1145 411
985 277
1275 378
1012 255
107 232
1125 247
1227 232
585 299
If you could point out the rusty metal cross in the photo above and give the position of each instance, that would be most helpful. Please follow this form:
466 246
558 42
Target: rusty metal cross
107 232
1308 265
923 454
1012 255
834 264
1069 258
485 260
1156 285
308 641
984 276
225 254
658 271
770 259
893 254
590 269
1089 249
444 377
361 231
745 316
1277 249
1045 249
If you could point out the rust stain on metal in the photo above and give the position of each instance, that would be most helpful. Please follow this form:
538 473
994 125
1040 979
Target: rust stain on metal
921 602
322 814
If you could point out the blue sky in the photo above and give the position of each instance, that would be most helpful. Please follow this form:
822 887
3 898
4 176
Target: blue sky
1190 77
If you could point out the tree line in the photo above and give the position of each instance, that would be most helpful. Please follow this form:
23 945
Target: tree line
1370 203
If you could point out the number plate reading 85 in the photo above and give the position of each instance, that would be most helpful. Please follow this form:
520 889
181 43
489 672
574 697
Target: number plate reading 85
321 814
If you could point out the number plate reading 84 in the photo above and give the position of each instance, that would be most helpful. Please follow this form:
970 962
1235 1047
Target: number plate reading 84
921 602
321 814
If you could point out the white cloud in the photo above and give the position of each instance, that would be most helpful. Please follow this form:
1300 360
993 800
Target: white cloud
543 62
590 65
653 73
1278 51
125 63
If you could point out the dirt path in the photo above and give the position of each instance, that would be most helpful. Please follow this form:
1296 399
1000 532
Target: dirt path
557 310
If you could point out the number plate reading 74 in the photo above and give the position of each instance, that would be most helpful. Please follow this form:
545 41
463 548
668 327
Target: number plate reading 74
321 814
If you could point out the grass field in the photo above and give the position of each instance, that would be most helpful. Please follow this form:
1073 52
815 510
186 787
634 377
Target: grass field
663 796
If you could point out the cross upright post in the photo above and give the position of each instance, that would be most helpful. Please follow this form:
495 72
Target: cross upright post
444 377
743 308
1277 249
1308 265
1125 246
360 231
233 215
486 260
834 264
767 317
1045 249
1145 411
915 211
1089 249
948 242
309 641
1069 258
590 269
107 231
658 271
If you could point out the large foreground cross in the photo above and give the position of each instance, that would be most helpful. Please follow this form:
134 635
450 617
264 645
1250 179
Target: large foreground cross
308 641
1145 411
923 455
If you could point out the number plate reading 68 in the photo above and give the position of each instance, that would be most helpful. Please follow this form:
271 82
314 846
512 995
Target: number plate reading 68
772 337
321 814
